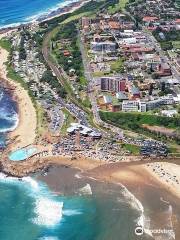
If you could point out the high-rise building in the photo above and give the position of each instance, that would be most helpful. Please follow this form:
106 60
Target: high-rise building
112 84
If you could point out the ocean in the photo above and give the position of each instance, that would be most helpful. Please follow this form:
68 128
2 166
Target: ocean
31 211
14 12
8 114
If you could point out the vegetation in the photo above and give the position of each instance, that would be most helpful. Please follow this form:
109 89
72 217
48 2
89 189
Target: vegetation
118 7
131 148
6 44
68 32
67 121
54 83
118 66
41 120
166 38
134 122
14 76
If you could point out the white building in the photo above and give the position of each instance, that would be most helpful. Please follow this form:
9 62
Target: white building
169 113
133 106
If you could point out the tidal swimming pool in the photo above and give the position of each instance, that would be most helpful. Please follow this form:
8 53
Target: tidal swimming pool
22 154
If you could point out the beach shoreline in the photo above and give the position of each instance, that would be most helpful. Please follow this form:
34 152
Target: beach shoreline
154 198
26 110
138 178
46 16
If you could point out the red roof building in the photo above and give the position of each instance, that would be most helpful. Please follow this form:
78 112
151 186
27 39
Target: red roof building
177 21
149 19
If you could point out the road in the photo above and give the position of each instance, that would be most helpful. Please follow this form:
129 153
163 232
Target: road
92 91
74 107
164 58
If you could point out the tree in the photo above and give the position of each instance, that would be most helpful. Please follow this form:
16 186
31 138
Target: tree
151 89
163 86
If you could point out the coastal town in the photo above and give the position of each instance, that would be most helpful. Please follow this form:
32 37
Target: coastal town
98 85
109 63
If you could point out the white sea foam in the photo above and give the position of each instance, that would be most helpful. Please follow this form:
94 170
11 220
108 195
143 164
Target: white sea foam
49 238
34 184
71 212
48 212
35 17
13 25
15 118
132 200
77 175
48 11
5 178
1 95
86 190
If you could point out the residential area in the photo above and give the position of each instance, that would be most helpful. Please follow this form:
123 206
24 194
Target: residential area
91 67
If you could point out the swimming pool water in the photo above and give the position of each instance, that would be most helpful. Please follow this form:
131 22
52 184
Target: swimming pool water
22 154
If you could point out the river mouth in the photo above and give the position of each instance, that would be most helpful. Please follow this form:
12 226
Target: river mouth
161 214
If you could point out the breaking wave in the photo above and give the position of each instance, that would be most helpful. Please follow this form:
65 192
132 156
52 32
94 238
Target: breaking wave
48 209
48 212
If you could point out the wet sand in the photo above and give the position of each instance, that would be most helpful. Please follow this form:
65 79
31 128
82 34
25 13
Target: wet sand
161 208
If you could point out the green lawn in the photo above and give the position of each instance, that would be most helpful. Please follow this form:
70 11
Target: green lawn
133 121
75 17
176 44
41 120
6 44
131 148
67 121
117 66
118 7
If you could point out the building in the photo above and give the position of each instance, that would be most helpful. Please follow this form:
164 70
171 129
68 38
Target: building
134 92
85 22
169 113
164 69
112 84
121 96
133 106
150 105
103 46
84 131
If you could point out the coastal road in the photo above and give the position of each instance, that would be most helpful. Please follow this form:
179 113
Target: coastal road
91 90
75 108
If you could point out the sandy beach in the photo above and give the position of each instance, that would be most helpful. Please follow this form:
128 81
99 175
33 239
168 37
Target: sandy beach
25 132
155 198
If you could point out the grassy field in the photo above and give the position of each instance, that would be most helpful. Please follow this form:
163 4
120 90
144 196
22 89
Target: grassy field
6 44
131 148
118 7
67 121
41 120
117 66
133 121
75 17
176 45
